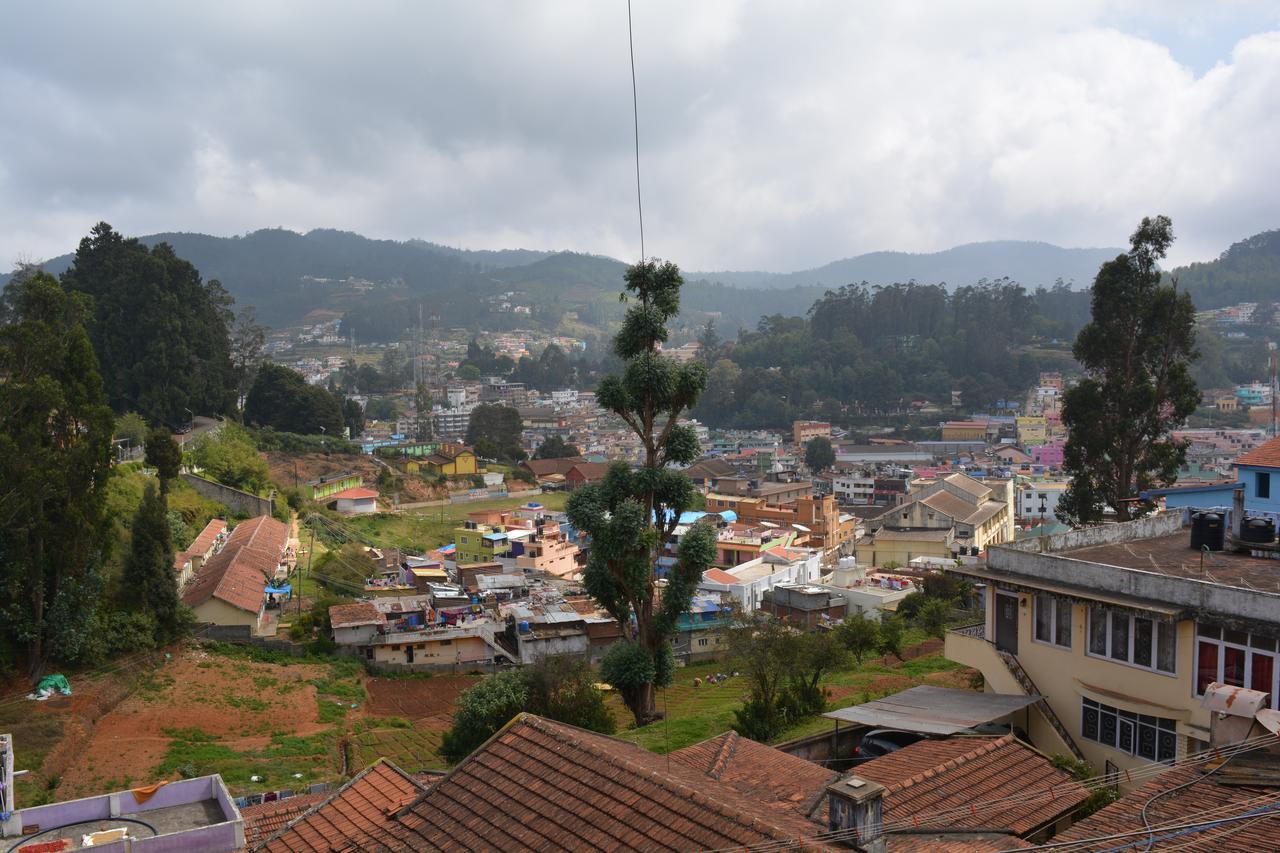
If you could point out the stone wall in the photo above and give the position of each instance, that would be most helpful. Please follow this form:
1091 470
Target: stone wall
234 499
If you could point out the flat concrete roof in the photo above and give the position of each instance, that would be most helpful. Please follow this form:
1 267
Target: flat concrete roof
933 710
1172 555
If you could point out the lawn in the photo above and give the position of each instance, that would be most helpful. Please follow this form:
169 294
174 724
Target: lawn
431 527
695 714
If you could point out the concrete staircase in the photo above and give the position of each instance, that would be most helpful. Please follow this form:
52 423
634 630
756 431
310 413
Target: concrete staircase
1024 681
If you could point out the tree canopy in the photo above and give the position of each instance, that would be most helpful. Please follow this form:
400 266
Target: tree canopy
163 454
555 447
495 430
55 456
819 455
281 399
1136 353
159 331
148 580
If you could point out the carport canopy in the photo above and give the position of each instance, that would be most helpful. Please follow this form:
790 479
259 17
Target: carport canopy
933 710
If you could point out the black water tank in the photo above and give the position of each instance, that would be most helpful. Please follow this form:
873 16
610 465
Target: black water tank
1259 530
1207 531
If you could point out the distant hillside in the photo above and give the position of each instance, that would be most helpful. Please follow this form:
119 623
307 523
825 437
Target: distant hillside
1249 271
1028 263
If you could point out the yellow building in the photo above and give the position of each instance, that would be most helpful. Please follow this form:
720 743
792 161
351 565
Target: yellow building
1117 628
1032 431
946 516
964 431
452 460
480 543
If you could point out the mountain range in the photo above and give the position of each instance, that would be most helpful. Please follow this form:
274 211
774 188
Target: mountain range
285 275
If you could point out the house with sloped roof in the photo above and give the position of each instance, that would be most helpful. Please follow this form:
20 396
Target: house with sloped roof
230 588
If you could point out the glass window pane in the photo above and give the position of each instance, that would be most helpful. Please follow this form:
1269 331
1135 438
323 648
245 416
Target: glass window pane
1063 627
1205 630
1167 746
1044 618
1108 724
1262 669
1120 636
1267 643
1097 631
1206 666
1089 726
1146 742
1143 640
1240 638
1233 666
1126 736
1166 646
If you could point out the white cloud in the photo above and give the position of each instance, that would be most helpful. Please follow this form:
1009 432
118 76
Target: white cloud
773 135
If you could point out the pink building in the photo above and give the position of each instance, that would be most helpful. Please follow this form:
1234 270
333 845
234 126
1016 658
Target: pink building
1048 454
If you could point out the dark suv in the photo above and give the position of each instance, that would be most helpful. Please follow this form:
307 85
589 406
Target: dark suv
878 742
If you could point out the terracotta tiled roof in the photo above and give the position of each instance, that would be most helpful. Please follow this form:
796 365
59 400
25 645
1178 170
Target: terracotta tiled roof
238 573
351 615
205 538
590 472
353 493
547 467
719 576
358 816
954 842
1265 455
267 819
1180 807
547 786
767 776
933 776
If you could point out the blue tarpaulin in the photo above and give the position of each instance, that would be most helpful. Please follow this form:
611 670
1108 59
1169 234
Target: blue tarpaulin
283 589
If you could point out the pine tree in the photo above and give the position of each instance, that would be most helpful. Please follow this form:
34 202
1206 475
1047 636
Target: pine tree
1136 353
632 515
55 458
149 581
164 455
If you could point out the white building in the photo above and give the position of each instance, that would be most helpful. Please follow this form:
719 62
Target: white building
1037 502
854 488
746 583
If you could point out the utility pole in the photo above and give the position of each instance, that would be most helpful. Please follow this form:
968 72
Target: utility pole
311 550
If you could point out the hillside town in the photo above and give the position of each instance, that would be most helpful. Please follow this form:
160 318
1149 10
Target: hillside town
639 427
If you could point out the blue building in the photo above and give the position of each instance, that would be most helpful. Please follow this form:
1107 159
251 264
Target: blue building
1259 469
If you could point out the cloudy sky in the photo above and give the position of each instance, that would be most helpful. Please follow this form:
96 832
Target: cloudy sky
773 135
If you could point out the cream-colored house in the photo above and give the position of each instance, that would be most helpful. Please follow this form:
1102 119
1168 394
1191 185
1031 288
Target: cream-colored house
947 515
1121 628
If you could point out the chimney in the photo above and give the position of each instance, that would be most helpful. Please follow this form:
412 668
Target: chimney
855 808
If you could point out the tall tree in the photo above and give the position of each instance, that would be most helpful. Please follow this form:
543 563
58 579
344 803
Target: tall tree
555 447
353 417
160 333
149 582
1136 353
164 455
819 455
55 457
422 408
709 342
632 515
248 343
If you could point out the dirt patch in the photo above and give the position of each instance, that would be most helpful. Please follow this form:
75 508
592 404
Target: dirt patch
417 698
239 702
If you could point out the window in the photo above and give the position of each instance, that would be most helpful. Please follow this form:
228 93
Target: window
702 641
1133 639
1237 658
1263 484
1053 620
1152 738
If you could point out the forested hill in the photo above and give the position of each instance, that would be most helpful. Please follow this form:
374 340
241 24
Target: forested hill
1249 271
1030 263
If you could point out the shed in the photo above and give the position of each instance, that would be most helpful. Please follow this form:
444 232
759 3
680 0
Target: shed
933 710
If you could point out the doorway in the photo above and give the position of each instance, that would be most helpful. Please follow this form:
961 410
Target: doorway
1007 622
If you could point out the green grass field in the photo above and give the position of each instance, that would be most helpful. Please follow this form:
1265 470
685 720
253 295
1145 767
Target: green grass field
431 527
695 714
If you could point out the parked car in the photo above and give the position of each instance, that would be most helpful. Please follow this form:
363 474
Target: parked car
878 742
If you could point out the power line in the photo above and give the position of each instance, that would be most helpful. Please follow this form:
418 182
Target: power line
635 115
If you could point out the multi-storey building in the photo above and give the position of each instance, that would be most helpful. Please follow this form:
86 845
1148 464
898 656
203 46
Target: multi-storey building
1121 628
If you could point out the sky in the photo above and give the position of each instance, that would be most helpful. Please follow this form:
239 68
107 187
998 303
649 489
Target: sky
775 136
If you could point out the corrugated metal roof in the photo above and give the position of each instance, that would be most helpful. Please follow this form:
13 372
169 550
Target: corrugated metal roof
933 710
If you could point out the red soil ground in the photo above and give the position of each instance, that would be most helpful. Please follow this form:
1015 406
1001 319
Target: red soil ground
238 701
